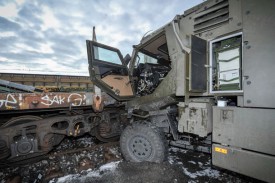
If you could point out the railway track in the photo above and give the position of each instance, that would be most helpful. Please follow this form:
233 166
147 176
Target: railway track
7 163
62 161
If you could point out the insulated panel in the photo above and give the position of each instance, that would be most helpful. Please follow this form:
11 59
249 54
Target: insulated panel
229 67
229 77
229 60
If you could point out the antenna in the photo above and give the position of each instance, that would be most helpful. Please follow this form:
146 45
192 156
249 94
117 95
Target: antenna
146 34
94 35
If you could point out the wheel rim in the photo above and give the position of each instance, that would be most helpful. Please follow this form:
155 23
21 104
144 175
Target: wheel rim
23 148
140 147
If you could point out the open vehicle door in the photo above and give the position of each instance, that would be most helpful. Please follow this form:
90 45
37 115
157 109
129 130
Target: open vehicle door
108 71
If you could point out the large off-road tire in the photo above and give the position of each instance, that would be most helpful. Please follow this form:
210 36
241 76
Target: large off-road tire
143 142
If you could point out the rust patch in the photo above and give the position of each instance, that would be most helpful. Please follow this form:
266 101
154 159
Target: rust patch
21 101
97 103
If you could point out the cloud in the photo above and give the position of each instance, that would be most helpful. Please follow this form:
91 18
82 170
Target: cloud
51 35
7 25
29 15
9 10
49 19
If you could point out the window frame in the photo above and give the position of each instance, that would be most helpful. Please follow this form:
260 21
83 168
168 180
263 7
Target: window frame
107 48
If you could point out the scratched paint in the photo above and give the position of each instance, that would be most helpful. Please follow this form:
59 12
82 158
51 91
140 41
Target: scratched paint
19 101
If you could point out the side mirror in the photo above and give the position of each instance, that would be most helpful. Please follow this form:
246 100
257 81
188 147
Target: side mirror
127 59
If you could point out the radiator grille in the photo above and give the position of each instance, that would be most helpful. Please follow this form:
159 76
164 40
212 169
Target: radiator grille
211 17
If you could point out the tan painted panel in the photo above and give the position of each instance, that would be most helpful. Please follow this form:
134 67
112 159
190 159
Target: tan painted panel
120 84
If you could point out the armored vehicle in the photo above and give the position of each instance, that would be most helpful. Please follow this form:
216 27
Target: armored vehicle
203 81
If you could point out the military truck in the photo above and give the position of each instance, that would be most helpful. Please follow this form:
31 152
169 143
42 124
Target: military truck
203 81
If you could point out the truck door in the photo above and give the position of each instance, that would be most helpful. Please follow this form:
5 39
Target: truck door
108 70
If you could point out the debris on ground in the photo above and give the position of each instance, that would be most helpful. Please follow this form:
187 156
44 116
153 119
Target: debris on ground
83 160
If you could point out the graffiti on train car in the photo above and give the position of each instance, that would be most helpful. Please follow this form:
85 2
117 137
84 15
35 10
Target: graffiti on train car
18 101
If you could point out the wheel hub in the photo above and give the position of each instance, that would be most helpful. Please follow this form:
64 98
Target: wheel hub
24 147
141 147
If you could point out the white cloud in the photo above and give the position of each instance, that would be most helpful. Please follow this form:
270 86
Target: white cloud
55 67
49 19
20 2
15 51
23 47
58 34
115 9
7 34
46 48
3 59
10 10
141 24
77 14
112 35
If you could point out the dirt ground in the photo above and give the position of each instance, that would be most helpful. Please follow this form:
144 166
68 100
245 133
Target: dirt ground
82 160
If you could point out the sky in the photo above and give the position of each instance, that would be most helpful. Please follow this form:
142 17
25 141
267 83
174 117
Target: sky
49 36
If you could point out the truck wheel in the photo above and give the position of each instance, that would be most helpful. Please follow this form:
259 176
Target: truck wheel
143 142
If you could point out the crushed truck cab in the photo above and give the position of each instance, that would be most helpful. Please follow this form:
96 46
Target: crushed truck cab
204 81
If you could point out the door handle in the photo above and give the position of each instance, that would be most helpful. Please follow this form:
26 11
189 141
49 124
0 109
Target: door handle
118 78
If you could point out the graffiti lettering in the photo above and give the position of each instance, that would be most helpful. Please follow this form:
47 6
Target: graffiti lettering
10 100
50 101
43 100
75 101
